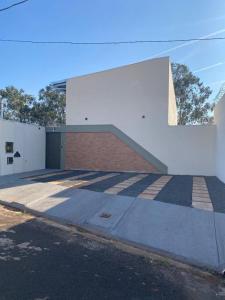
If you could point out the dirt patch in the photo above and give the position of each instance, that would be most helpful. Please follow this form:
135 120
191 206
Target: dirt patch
11 217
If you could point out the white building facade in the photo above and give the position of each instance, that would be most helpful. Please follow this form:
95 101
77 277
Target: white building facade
139 100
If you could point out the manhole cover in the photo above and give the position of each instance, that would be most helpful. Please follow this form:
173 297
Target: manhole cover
105 215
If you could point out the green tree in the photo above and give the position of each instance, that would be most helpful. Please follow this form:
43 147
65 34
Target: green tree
49 109
191 97
17 104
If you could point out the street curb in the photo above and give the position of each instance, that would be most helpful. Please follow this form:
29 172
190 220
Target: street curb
97 231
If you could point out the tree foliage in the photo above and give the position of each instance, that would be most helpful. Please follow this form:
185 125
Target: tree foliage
47 110
17 104
191 97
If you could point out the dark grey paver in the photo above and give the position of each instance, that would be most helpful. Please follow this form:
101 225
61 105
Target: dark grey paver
58 176
93 176
41 173
177 191
216 190
138 187
68 175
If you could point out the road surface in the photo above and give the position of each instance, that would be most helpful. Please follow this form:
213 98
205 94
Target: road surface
40 260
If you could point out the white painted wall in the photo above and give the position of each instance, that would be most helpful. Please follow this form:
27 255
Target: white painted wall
172 106
219 115
123 95
29 140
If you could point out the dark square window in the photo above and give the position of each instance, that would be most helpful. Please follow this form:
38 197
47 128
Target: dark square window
9 147
9 160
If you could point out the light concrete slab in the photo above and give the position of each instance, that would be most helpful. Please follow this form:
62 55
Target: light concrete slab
73 205
52 201
10 190
115 207
180 231
220 235
26 193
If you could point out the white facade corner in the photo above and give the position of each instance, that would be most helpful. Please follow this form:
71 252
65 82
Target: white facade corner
28 140
219 114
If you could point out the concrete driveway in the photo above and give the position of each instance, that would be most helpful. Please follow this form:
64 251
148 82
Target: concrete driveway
120 205
201 192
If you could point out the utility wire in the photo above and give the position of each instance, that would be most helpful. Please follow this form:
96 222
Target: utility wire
111 42
14 4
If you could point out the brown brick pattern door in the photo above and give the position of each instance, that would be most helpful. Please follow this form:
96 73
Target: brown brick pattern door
102 151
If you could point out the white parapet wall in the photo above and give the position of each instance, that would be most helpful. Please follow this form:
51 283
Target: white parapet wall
28 141
220 140
190 150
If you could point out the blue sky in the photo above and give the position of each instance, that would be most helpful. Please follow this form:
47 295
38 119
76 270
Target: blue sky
32 67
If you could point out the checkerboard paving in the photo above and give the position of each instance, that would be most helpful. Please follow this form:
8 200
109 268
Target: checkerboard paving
82 183
125 184
200 194
154 189
36 177
71 181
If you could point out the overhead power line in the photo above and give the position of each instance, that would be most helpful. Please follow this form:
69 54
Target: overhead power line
112 42
12 5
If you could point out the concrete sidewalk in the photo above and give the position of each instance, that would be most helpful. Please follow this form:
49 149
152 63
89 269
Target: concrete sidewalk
191 235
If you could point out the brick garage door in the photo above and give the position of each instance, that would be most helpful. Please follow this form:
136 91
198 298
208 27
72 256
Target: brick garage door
102 151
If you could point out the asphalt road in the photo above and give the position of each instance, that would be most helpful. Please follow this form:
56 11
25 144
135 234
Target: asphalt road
39 261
